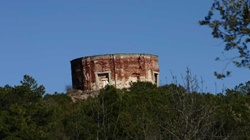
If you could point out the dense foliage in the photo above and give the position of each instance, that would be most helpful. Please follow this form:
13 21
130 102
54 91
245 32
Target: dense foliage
142 112
230 22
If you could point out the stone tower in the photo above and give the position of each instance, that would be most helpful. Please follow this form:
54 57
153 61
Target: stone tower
92 73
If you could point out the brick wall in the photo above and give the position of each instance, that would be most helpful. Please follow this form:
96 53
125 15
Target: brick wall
94 72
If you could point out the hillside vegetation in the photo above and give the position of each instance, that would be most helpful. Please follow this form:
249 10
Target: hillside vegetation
142 112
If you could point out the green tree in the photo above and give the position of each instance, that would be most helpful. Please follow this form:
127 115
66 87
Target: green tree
243 88
141 107
23 113
233 116
61 104
188 115
229 21
30 83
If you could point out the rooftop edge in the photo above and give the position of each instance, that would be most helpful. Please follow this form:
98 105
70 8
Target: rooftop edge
102 55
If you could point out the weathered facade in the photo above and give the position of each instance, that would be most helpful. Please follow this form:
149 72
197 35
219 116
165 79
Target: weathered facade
95 72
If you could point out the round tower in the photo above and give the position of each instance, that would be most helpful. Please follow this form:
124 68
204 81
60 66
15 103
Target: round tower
95 72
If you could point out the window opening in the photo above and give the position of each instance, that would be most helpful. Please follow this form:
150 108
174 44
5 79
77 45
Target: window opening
102 79
135 77
156 78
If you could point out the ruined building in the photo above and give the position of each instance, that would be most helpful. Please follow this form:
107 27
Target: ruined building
92 73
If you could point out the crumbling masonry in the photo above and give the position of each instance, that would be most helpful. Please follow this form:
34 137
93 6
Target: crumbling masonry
92 73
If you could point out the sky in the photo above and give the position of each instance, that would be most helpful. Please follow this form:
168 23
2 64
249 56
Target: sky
40 38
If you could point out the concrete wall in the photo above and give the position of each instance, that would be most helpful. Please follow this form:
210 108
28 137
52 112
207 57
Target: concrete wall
94 72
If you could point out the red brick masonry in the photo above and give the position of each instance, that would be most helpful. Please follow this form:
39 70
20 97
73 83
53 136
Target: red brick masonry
94 72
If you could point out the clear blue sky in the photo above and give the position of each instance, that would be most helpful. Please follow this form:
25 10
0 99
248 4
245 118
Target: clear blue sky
39 38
